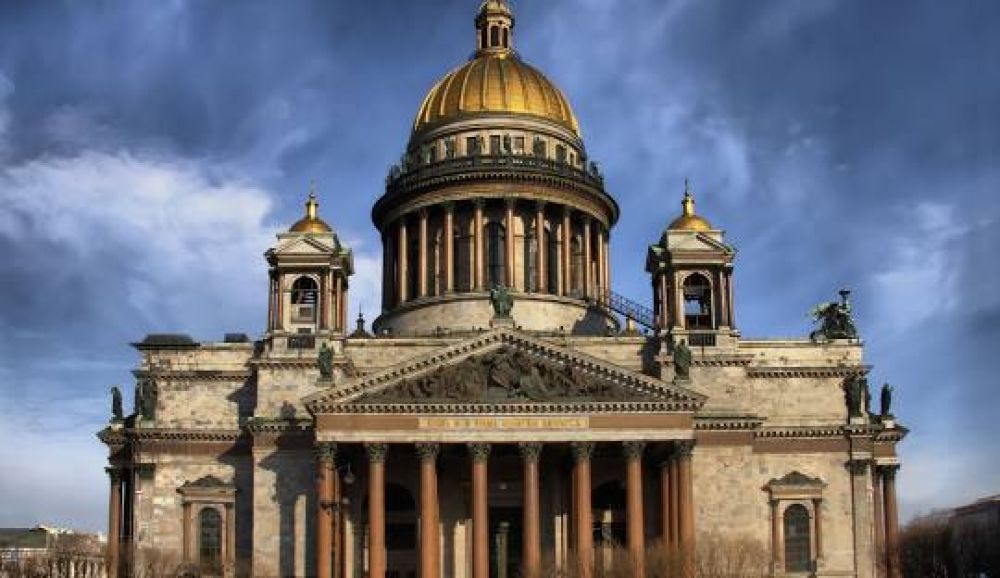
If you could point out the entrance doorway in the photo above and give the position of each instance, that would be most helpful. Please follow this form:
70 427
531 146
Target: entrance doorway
505 542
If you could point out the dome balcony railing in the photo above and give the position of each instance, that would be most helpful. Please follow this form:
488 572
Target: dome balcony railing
409 175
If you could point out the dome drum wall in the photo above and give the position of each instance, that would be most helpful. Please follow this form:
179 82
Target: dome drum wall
468 312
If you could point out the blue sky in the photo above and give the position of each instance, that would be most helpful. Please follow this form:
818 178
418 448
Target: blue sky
150 151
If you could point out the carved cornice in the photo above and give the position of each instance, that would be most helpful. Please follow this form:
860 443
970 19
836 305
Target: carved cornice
193 375
727 423
290 362
807 371
709 360
181 434
635 383
261 425
801 432
505 408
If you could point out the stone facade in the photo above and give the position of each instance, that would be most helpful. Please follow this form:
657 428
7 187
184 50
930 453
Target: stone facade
455 441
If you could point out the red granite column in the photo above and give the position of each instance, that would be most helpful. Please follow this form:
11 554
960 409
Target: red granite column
584 530
674 502
480 511
430 551
665 513
880 559
893 569
635 530
376 509
325 457
114 522
531 549
686 506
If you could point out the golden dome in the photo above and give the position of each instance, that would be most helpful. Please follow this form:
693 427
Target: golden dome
496 80
311 223
689 221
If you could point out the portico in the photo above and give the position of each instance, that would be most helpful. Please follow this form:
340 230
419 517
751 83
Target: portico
491 421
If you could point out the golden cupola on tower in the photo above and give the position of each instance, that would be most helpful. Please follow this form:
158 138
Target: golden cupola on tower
495 188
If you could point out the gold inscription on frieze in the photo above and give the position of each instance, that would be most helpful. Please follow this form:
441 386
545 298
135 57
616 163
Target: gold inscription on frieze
503 423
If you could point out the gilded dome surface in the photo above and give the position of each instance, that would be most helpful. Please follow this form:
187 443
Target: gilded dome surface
689 220
311 223
495 82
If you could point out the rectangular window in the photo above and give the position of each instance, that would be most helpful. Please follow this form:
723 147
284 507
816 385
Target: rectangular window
561 153
519 145
432 154
495 144
471 146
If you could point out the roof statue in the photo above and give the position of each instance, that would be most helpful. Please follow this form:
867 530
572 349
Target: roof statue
886 400
682 360
117 411
325 361
502 302
835 319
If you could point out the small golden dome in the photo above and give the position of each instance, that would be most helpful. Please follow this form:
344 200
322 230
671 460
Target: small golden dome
689 221
311 223
496 80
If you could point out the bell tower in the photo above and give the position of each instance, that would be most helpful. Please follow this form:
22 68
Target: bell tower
309 274
691 268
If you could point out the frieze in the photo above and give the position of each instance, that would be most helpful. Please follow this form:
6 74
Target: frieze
807 372
721 360
507 374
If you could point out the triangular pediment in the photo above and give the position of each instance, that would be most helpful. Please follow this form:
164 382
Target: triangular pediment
505 366
305 245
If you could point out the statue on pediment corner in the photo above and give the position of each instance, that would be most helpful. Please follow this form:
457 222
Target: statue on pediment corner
836 319
117 410
502 302
325 361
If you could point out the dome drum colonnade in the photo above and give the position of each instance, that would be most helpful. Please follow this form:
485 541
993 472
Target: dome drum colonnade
495 189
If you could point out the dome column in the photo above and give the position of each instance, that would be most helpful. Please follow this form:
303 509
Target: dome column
477 238
565 280
449 247
508 226
401 264
588 277
540 246
422 259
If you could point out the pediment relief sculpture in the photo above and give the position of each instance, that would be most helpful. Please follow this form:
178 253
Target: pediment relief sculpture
504 375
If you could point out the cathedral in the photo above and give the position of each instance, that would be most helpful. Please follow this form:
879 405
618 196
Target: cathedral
507 414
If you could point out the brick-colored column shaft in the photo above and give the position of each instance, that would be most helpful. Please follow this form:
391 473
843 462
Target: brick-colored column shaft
422 253
635 529
449 248
531 549
114 523
324 515
376 510
480 513
430 564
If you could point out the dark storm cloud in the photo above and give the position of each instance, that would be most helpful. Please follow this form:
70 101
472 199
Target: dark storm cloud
149 150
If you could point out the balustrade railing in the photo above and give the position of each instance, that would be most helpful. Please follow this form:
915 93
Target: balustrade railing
404 177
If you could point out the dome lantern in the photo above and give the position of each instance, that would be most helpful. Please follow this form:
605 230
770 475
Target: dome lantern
494 28
311 223
689 221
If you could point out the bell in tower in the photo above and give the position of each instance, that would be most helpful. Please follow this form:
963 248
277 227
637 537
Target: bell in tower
691 268
309 272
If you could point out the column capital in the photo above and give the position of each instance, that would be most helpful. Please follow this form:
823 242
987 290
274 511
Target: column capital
326 453
633 449
582 451
449 206
530 450
683 449
376 452
540 204
479 202
567 210
858 466
889 471
479 452
509 202
115 473
422 212
428 451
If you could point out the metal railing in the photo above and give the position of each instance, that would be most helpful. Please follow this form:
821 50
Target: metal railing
627 308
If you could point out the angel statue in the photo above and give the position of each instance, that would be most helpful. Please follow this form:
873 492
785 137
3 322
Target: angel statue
835 319
886 399
502 302
117 411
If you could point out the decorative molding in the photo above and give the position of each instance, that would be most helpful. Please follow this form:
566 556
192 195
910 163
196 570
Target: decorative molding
807 371
326 453
479 452
709 360
582 450
376 452
633 450
428 451
727 423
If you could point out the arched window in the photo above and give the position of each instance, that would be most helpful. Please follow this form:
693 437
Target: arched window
797 553
463 254
209 538
496 258
305 296
576 265
530 257
552 262
697 302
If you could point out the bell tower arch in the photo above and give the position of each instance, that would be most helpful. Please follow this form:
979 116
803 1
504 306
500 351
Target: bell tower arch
692 271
